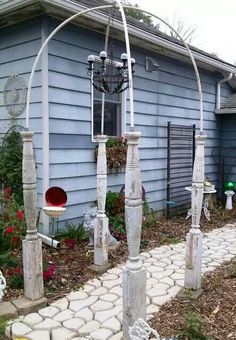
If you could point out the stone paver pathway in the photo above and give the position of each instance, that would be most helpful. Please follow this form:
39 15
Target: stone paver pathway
96 310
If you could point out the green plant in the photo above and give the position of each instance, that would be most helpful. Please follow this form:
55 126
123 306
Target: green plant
117 227
8 260
3 324
171 239
73 232
115 204
149 216
12 222
11 164
116 150
115 210
232 271
192 327
16 281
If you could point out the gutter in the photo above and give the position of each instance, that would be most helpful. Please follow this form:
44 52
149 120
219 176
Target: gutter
218 88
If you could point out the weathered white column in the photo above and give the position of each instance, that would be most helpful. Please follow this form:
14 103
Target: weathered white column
229 202
193 261
101 234
32 245
134 276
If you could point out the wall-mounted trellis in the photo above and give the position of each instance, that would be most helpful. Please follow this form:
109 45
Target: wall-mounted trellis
180 158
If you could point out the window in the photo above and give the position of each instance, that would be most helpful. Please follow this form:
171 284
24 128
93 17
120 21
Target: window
114 121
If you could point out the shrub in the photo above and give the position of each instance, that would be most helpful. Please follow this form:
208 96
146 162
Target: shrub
11 164
16 281
8 260
116 151
12 222
15 277
115 211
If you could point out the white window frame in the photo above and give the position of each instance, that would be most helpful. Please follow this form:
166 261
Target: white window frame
123 110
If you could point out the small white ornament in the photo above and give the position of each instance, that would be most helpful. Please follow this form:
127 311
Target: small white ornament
142 331
3 285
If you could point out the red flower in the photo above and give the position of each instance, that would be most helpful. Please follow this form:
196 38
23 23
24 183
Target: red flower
70 243
50 272
7 192
15 240
20 215
9 230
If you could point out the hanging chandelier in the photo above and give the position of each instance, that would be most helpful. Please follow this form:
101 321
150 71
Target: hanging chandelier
109 76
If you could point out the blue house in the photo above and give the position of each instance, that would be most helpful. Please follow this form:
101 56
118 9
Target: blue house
64 108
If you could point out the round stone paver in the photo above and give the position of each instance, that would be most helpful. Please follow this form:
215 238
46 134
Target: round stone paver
101 306
113 324
75 306
48 312
85 314
39 335
47 325
109 297
32 319
89 327
99 291
64 315
74 324
61 304
19 329
62 334
101 334
80 295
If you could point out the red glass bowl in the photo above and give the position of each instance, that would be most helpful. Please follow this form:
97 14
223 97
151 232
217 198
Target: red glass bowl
56 197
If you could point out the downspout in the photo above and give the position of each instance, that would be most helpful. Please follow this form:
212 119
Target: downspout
219 87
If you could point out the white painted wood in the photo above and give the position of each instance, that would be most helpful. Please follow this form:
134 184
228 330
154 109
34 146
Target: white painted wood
133 201
134 277
32 245
29 185
134 298
33 269
101 235
45 126
193 261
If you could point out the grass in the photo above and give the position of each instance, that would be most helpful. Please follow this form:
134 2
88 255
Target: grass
3 324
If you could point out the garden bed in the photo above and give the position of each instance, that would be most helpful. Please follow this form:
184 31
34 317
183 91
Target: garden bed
67 269
212 316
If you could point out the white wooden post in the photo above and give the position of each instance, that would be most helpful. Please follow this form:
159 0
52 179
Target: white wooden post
32 245
193 261
134 276
101 233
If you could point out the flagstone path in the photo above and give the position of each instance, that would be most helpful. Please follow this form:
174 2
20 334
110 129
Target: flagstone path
96 310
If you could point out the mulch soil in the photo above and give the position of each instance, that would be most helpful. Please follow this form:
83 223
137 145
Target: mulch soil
72 265
216 308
